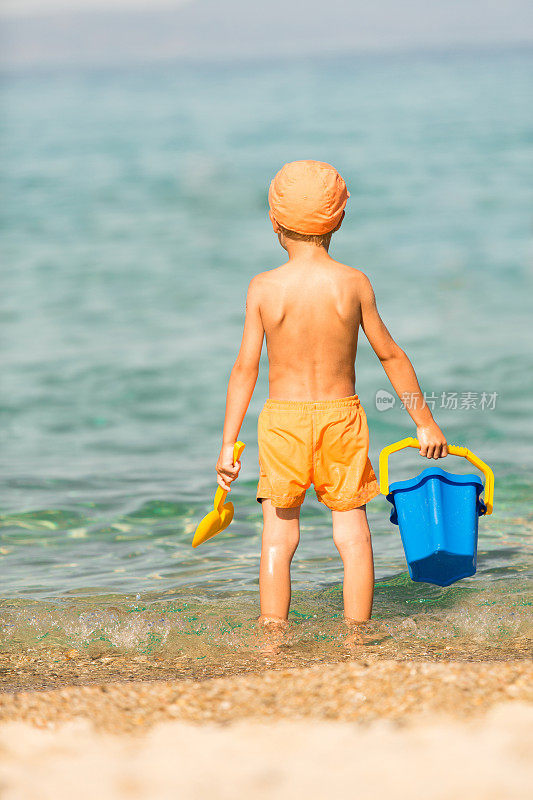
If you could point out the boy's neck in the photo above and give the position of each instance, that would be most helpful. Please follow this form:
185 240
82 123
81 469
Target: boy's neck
305 250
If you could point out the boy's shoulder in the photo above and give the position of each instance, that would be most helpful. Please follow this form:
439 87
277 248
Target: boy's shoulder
278 273
357 279
271 280
257 282
350 272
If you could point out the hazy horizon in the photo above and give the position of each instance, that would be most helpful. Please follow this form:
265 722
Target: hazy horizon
45 32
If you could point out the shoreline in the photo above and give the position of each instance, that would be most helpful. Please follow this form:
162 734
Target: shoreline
51 669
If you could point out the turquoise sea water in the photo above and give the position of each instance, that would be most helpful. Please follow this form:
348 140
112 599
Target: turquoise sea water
134 216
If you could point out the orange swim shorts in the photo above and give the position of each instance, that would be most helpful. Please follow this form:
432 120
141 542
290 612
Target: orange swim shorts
324 443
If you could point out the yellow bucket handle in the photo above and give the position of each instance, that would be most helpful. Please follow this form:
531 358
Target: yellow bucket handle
453 450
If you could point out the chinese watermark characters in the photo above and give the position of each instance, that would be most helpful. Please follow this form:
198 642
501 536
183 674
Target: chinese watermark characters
451 401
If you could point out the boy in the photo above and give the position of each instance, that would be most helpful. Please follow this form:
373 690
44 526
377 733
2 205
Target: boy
312 429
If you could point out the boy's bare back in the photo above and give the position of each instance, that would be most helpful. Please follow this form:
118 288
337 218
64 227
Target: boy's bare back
311 312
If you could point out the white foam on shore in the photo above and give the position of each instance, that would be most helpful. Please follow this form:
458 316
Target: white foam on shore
486 759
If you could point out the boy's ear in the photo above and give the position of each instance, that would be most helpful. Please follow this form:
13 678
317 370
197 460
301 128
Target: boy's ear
274 222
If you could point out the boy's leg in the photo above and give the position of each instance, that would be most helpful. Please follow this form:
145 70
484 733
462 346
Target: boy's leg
351 535
281 534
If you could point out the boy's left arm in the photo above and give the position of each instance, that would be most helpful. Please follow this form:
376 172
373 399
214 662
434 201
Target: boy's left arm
241 385
401 374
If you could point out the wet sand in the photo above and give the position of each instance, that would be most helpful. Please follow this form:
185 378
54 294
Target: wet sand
56 667
357 691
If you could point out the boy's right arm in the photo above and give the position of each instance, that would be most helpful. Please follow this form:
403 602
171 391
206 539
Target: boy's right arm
401 374
241 385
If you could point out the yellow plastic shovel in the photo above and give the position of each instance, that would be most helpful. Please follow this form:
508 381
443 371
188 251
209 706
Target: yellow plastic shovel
222 514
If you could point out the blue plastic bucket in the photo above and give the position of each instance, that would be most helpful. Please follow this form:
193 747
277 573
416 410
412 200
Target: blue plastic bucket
437 513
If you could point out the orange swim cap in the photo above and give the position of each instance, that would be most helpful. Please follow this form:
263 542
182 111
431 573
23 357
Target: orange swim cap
308 197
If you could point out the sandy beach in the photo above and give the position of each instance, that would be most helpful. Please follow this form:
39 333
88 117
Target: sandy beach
483 760
442 728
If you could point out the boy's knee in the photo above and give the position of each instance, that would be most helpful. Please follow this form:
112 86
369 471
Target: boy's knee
283 541
288 540
351 537
281 529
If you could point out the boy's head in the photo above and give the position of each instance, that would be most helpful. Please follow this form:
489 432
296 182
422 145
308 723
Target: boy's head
307 200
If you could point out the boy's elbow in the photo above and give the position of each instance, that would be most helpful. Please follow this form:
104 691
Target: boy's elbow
246 369
393 353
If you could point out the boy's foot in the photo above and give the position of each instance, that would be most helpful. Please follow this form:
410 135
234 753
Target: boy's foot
356 632
273 632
